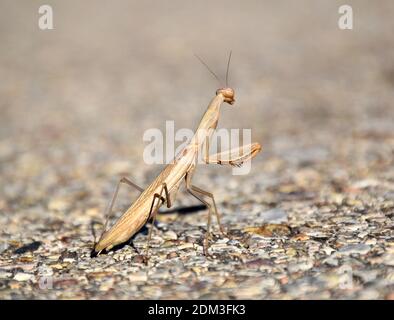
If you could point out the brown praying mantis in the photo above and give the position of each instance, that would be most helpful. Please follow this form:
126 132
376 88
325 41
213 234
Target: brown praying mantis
164 188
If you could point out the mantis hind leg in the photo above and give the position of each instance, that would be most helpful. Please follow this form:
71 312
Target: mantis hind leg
108 212
153 212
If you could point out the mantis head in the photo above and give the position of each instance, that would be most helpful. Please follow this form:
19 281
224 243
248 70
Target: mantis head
227 93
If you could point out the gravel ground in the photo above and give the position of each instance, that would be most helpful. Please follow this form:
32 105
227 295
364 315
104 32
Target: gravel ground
313 219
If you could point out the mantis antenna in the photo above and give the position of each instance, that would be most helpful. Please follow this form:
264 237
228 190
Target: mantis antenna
228 67
209 69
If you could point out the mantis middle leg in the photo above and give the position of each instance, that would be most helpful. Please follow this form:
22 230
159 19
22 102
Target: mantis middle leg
197 193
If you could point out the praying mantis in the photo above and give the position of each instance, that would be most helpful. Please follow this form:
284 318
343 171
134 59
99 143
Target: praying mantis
164 188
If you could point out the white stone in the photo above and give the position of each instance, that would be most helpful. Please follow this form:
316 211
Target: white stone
20 276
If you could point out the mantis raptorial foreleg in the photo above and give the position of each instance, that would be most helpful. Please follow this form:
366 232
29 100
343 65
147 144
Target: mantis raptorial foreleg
153 212
235 156
196 192
111 204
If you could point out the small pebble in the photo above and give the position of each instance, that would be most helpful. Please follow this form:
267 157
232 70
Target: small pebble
23 276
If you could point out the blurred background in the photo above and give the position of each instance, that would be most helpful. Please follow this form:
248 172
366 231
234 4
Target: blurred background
109 71
75 101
